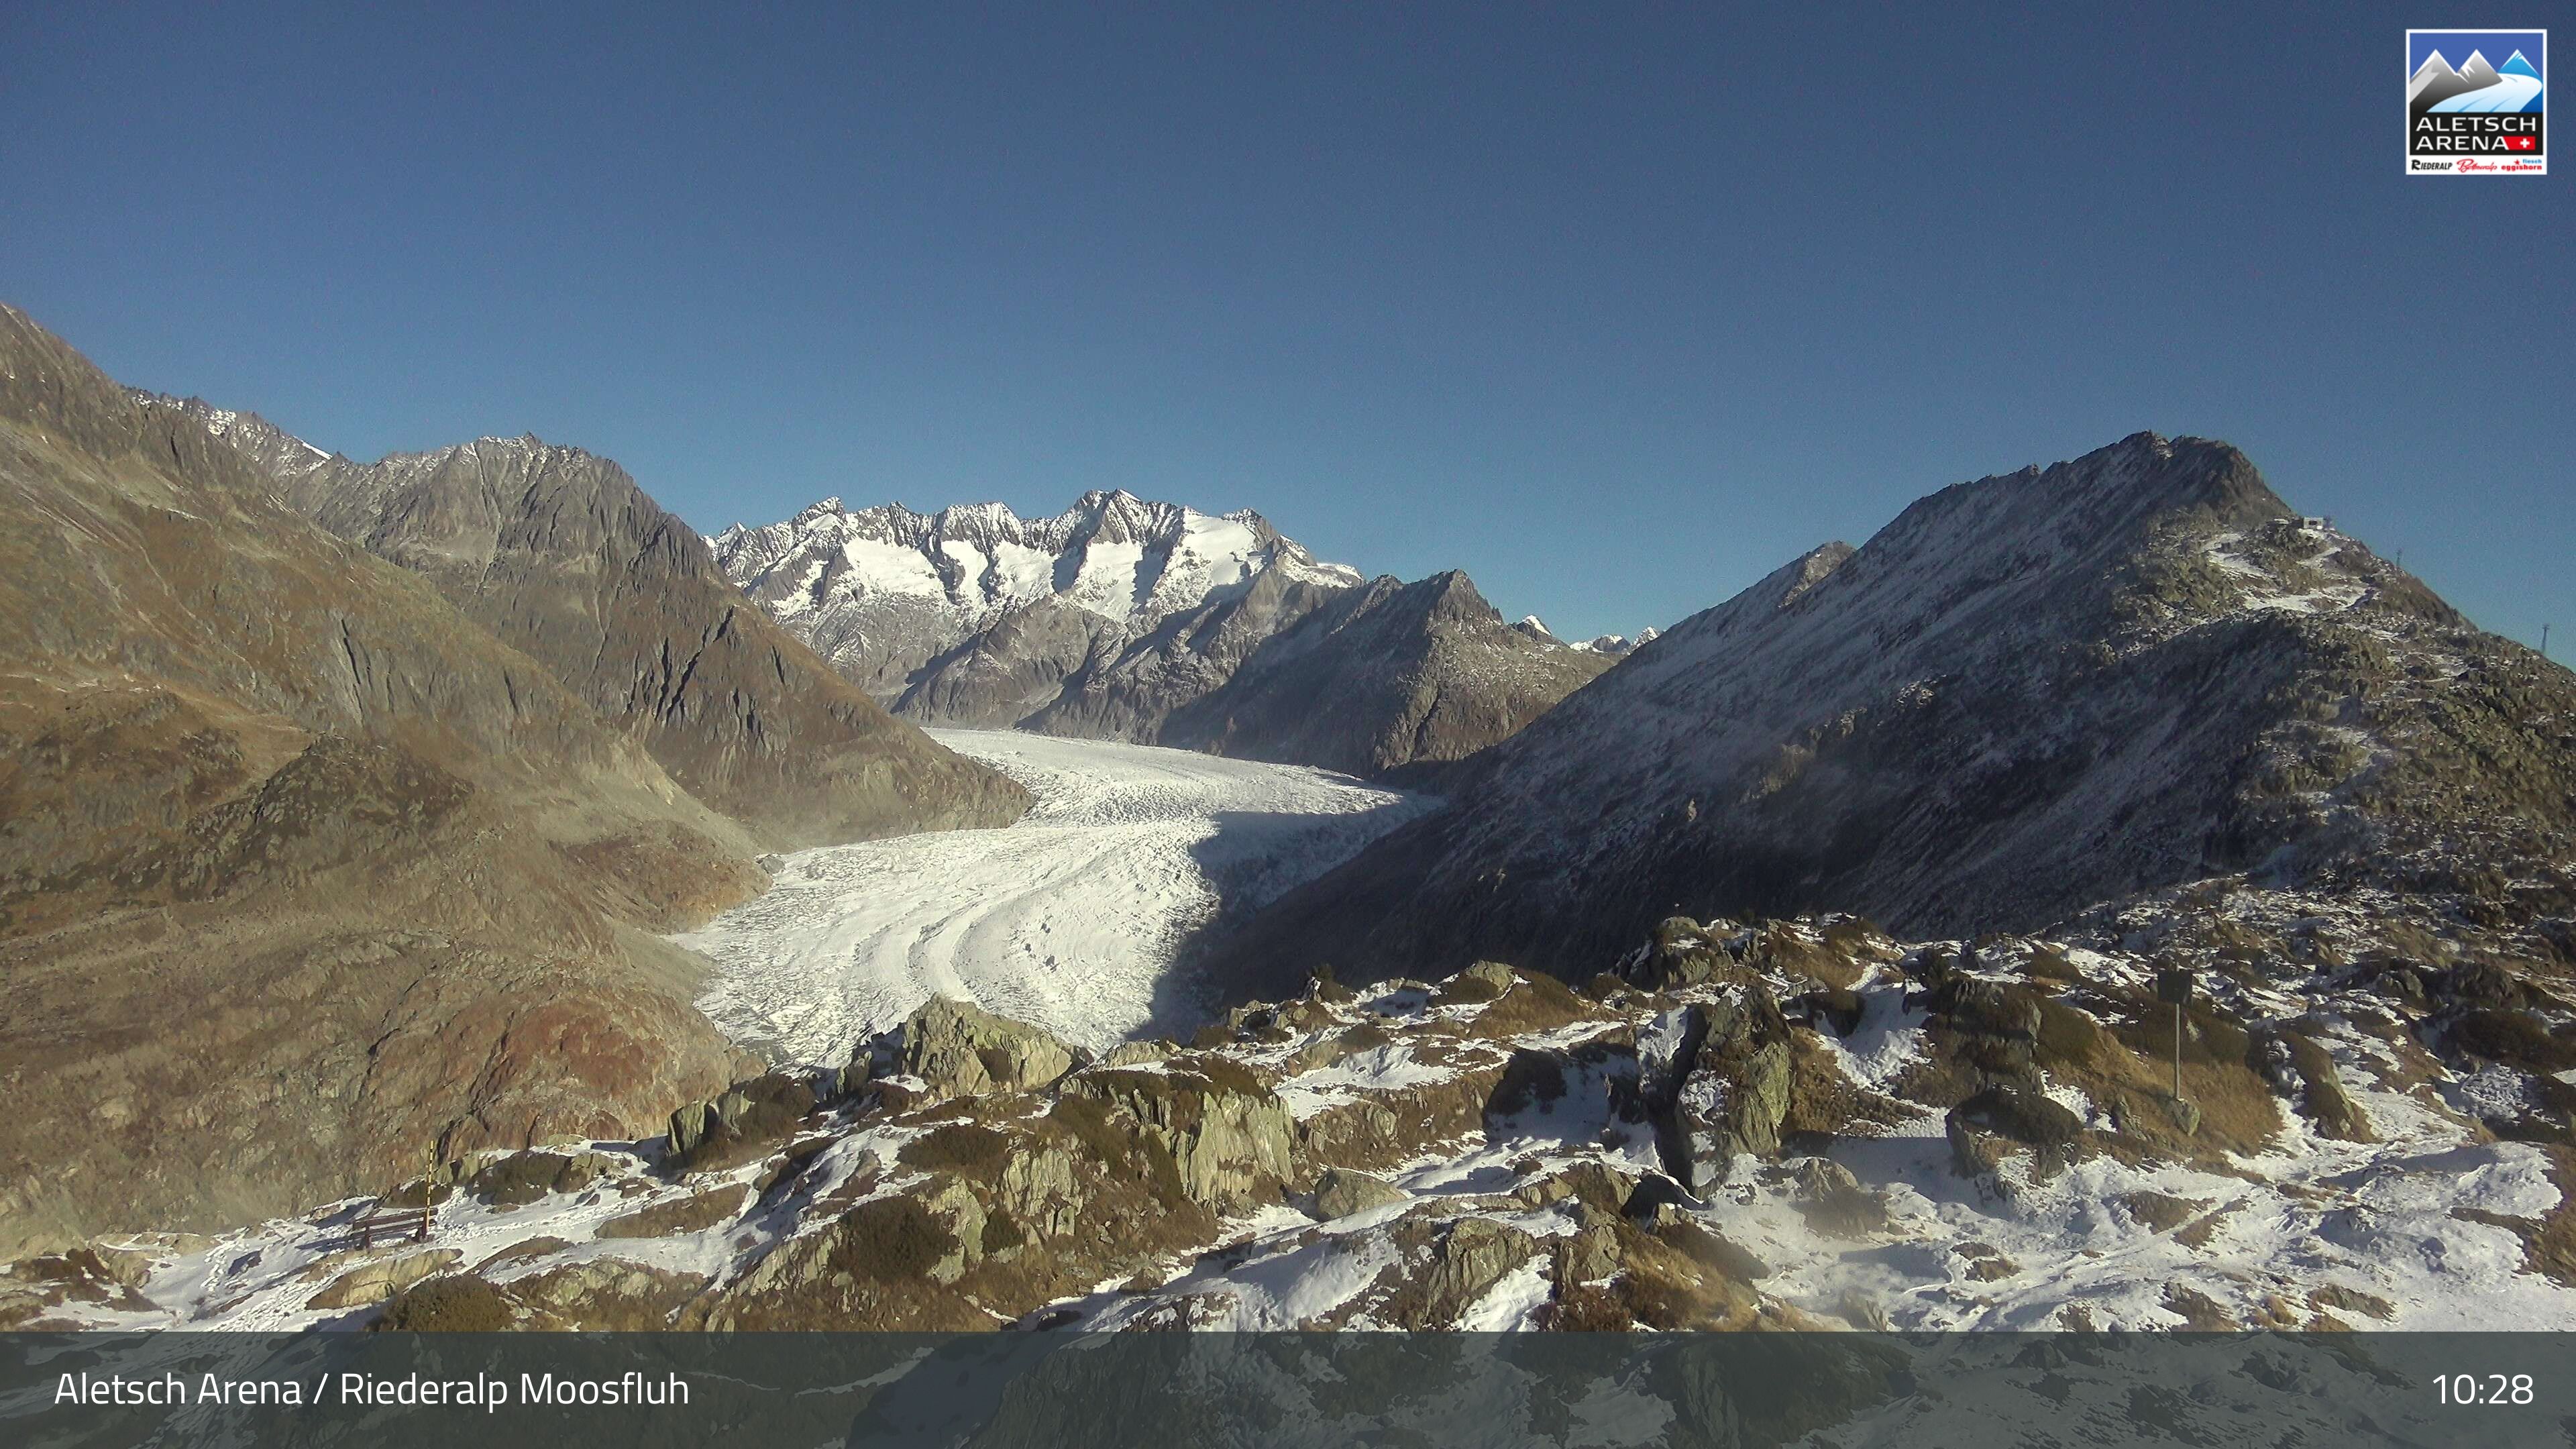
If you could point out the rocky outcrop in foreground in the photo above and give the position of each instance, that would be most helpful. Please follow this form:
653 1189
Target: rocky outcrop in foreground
1779 1124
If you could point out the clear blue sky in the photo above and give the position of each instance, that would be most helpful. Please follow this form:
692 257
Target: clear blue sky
1615 306
2498 46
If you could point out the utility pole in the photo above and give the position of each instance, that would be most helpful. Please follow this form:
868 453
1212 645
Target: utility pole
428 1189
2174 985
2544 641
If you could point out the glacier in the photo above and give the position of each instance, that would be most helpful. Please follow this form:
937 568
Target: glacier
1072 919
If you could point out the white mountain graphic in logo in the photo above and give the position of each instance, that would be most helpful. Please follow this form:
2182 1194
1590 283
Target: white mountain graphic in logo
2476 86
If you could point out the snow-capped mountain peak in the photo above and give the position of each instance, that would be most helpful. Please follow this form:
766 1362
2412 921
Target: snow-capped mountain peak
1113 554
882 589
1614 646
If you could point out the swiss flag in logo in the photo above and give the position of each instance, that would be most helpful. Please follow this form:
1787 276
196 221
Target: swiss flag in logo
2522 143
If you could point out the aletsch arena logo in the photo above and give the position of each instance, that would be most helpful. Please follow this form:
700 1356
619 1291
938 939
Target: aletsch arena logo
2474 102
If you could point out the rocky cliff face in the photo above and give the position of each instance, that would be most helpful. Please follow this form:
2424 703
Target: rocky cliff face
1386 675
561 556
2026 695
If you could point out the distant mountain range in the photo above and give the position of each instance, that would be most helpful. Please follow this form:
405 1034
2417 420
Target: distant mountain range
1120 618
1152 622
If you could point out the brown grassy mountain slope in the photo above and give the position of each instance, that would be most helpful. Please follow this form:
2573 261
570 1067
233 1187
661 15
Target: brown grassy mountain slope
301 871
560 554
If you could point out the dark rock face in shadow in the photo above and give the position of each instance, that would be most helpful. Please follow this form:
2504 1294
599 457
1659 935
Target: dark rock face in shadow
2026 695
1385 676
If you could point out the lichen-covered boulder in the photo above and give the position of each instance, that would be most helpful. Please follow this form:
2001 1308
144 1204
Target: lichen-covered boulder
1139 1053
1995 1027
2003 1119
1229 1135
1041 1190
962 1050
1684 953
520 1178
1714 1077
1473 1257
740 1123
377 1281
1341 1193
955 1207
689 1126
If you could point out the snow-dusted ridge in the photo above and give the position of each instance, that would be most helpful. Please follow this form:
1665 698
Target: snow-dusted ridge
2025 695
1112 553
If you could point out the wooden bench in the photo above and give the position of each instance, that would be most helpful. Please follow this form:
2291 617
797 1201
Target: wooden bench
393 1226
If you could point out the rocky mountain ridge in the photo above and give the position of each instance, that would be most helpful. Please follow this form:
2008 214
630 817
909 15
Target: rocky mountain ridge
1384 677
305 874
1151 623
1614 645
560 554
884 592
2026 696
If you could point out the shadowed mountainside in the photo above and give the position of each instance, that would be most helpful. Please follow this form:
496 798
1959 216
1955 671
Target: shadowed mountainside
1385 676
2026 695
559 554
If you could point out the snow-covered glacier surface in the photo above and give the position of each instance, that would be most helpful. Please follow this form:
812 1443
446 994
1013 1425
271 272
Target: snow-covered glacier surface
1073 919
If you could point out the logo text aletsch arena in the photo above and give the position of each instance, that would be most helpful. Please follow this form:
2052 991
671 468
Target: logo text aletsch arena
2476 102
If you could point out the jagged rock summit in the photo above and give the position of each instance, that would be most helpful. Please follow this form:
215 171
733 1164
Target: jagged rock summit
2025 696
1152 623
886 593
560 554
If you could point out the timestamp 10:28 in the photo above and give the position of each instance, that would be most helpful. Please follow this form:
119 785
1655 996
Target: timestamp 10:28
2483 1389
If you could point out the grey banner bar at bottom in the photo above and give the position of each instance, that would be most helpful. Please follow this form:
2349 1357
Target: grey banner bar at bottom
1736 1391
